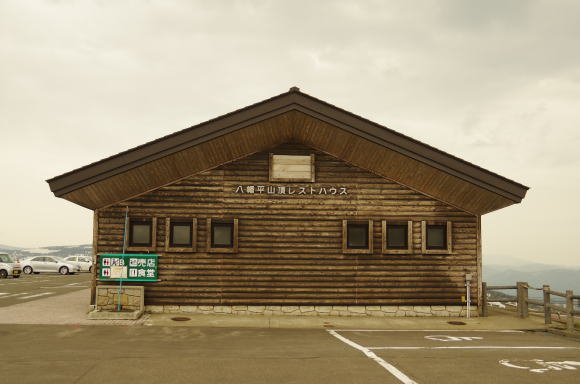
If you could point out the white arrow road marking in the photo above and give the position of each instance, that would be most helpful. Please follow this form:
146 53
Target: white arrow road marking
546 365
389 367
37 295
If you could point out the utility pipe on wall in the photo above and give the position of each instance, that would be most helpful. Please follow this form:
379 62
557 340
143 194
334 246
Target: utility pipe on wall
468 294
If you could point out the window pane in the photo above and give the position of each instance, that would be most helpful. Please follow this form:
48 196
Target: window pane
358 236
436 237
397 236
181 234
222 235
141 234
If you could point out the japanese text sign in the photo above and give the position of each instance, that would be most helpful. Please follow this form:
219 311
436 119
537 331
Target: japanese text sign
128 267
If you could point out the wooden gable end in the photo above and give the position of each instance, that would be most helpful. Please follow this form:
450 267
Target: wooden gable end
297 126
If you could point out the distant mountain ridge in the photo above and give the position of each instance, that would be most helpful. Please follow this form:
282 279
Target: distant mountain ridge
56 250
559 278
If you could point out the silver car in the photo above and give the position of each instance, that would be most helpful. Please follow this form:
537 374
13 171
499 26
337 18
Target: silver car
85 262
39 264
9 267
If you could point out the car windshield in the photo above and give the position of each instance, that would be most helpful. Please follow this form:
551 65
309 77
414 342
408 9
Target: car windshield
6 259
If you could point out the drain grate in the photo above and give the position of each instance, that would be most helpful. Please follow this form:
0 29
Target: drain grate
456 322
180 318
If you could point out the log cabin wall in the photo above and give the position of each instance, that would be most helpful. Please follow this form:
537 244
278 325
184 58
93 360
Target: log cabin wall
290 247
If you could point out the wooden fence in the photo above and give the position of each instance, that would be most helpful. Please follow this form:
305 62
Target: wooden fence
523 301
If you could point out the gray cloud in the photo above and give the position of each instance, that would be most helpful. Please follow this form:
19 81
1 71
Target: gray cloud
494 82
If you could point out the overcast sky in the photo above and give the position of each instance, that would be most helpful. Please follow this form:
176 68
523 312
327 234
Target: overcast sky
496 83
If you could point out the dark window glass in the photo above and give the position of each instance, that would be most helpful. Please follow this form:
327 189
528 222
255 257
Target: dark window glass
397 236
180 234
140 233
436 236
358 235
222 235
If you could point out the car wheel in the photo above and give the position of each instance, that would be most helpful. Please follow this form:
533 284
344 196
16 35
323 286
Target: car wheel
27 270
3 274
63 270
91 269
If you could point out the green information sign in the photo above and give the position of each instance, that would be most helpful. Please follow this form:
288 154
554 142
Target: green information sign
127 267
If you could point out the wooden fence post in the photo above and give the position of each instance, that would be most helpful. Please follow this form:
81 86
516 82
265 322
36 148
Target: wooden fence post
547 302
484 299
570 310
522 298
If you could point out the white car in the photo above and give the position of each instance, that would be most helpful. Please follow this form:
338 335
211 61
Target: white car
85 262
39 264
9 267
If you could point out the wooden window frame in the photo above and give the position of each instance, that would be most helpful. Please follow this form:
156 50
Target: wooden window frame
384 237
152 246
291 180
345 248
210 249
168 226
449 235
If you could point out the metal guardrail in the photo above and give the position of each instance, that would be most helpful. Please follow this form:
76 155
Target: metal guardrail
523 301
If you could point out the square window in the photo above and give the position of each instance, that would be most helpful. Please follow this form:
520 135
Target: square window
181 234
358 236
140 233
222 235
436 236
397 236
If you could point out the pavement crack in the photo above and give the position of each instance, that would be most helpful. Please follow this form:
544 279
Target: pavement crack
78 379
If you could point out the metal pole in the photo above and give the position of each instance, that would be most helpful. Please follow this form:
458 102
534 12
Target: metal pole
123 258
468 295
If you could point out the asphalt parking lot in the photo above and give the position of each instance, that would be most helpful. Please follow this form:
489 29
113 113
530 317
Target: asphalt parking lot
36 287
68 348
97 354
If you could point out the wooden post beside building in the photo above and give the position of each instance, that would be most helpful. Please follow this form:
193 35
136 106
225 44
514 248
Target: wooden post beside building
547 305
570 310
522 298
484 299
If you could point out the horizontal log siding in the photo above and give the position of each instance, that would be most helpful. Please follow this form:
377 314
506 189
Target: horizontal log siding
290 247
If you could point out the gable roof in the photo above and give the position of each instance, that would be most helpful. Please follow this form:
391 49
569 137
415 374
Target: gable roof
290 116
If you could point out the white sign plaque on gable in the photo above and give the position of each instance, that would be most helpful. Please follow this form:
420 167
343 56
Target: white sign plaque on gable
291 168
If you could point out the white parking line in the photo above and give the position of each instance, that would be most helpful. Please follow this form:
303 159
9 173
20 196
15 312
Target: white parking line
65 286
14 294
37 295
475 347
389 367
3 293
430 330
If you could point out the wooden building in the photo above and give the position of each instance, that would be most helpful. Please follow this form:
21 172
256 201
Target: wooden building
295 206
